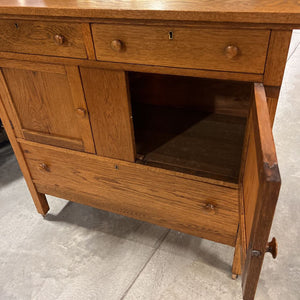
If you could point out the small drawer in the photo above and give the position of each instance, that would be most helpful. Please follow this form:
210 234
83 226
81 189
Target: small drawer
43 38
235 50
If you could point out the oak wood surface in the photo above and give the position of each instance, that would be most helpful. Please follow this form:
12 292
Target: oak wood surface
44 138
145 193
261 186
80 108
134 67
34 37
10 107
263 11
39 199
45 105
276 58
236 264
32 66
88 41
108 101
189 48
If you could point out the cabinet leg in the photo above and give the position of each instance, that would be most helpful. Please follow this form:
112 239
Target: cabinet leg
236 264
39 199
40 202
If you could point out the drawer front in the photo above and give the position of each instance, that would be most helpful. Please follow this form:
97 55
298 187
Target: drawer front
213 49
43 38
178 201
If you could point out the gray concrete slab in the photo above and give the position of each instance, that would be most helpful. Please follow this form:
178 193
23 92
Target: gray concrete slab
78 252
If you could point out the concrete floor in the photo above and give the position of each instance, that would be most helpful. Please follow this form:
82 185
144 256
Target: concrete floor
78 252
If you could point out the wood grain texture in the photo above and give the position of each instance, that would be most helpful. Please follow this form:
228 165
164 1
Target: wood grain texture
190 47
262 173
137 68
39 199
272 94
88 41
79 104
236 264
142 192
34 37
10 107
107 98
75 144
263 11
46 104
277 55
32 66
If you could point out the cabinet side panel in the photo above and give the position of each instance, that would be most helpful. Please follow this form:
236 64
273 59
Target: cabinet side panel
276 58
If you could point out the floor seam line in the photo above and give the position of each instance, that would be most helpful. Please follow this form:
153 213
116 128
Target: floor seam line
144 266
293 52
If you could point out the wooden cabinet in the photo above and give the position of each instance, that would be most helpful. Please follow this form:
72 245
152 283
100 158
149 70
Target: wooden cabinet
131 116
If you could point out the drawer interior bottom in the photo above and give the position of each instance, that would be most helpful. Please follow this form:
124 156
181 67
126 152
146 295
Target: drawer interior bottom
198 143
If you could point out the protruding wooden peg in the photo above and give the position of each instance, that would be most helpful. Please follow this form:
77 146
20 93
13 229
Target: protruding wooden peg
116 45
231 51
81 112
272 247
59 39
44 167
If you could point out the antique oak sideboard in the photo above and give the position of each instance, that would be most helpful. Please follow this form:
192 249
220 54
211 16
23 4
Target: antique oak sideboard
160 110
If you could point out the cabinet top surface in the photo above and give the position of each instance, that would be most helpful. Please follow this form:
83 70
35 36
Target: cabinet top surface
253 11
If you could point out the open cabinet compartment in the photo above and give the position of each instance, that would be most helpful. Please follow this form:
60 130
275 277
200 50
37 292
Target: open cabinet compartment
190 125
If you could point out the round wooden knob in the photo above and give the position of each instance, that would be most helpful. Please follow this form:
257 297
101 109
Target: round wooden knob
44 167
59 39
209 207
81 112
231 51
272 247
116 45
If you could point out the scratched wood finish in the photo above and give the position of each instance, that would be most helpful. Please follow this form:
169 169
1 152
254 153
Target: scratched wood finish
188 48
39 38
39 199
46 103
145 193
263 11
107 97
261 186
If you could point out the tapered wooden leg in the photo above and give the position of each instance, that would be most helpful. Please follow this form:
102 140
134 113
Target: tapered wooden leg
272 94
39 199
236 264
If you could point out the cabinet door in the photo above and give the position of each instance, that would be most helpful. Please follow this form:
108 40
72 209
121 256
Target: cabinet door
260 189
108 99
46 104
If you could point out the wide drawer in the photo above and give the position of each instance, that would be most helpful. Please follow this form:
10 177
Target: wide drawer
44 38
174 200
234 50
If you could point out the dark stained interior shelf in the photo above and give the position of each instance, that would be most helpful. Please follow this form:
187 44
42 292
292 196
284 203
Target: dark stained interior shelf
197 138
